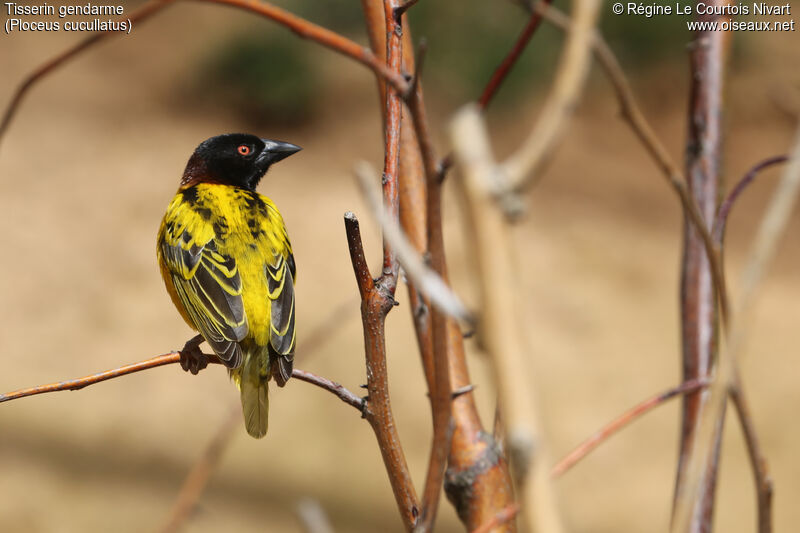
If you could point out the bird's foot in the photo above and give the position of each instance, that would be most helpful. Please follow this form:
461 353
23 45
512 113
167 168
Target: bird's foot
192 358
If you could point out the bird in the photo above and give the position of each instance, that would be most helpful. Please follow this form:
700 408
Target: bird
227 263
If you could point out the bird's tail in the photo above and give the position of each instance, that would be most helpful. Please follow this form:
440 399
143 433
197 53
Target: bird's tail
252 381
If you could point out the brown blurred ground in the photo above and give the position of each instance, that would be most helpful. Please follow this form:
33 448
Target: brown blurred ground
88 168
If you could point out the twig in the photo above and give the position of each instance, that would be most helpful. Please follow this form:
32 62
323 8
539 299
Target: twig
375 305
623 420
137 16
77 384
504 516
168 359
560 104
725 207
500 74
426 280
198 477
502 336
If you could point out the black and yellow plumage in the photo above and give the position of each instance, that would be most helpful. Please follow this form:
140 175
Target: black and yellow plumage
227 263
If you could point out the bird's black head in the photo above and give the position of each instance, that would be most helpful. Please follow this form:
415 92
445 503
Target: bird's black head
237 159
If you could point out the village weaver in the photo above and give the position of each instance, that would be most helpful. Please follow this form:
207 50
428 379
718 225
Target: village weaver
227 263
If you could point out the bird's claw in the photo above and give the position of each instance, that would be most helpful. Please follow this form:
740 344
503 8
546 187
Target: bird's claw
192 358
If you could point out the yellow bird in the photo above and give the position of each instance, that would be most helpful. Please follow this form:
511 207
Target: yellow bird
226 260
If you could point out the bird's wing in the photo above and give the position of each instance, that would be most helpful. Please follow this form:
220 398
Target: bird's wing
208 285
281 274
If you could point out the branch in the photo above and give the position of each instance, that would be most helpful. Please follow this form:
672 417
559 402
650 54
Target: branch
499 75
724 210
168 359
375 304
139 15
623 420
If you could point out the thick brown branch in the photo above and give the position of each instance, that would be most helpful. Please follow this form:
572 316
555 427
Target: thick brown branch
510 60
626 418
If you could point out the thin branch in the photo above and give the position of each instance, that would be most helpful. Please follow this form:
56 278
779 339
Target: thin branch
138 16
623 420
725 207
79 383
504 516
331 386
168 359
425 279
763 481
502 71
198 477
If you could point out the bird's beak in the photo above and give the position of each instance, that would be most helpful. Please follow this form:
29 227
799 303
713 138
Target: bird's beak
275 151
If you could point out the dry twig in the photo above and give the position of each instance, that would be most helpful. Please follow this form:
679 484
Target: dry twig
623 420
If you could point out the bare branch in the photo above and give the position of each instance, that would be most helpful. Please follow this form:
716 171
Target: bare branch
623 420
375 305
502 71
724 210
168 359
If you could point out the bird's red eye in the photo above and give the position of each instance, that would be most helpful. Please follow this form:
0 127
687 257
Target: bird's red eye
244 149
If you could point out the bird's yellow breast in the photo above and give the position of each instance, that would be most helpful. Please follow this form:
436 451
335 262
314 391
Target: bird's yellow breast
244 226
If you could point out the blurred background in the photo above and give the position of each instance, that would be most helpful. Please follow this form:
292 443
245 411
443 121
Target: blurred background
95 155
